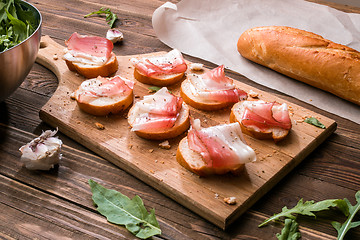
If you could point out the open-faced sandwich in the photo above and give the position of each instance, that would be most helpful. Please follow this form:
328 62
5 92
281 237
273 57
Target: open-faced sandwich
160 70
215 150
101 96
90 56
159 116
211 90
262 120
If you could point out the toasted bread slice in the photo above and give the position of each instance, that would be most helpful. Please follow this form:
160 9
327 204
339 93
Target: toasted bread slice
159 80
198 103
194 162
181 125
103 106
275 133
92 71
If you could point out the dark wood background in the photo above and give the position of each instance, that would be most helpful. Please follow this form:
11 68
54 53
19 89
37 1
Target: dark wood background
57 204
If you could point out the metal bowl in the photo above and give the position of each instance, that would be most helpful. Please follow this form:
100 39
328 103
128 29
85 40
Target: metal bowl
16 62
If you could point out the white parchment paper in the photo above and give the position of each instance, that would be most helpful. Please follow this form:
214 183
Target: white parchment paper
209 29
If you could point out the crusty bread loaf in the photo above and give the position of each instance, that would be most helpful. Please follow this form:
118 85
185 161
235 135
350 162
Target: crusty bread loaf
181 125
188 97
159 80
92 71
305 56
194 162
275 133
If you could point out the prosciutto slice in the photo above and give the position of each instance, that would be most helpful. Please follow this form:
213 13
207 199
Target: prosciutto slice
215 86
266 115
92 45
158 111
101 87
171 63
221 146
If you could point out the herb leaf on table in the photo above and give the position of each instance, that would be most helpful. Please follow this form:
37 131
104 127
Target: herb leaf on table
308 208
110 16
348 224
120 209
315 122
290 230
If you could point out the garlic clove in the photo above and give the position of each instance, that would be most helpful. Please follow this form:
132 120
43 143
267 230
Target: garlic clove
114 35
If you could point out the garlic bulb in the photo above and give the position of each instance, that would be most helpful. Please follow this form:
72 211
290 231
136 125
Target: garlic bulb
43 152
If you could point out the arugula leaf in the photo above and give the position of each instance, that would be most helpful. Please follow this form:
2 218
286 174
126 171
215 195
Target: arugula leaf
119 209
290 230
348 224
308 208
110 16
17 23
315 122
154 89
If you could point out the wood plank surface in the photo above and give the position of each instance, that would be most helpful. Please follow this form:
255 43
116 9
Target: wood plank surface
158 167
331 171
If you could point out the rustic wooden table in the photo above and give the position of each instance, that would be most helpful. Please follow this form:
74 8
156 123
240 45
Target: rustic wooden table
57 204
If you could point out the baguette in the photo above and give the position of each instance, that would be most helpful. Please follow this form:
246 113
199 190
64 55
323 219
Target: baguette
198 103
306 57
270 132
211 90
160 70
214 150
181 125
194 162
96 102
158 80
92 71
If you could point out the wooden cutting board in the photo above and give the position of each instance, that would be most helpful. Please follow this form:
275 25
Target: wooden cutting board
158 167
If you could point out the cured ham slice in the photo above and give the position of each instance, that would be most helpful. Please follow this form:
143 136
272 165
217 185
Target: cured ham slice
215 86
262 120
265 115
92 45
101 96
101 87
169 64
157 112
221 147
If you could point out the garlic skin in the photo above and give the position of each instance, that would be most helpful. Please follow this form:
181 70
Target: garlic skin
114 35
43 152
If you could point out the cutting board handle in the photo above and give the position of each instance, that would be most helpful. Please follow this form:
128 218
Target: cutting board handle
50 56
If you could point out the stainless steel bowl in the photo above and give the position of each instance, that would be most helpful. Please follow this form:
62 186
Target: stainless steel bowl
16 62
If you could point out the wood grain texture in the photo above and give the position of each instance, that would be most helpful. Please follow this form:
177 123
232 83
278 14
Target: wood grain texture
158 167
310 180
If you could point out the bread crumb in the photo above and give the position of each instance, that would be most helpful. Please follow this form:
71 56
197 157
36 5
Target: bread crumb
130 146
162 162
152 171
156 161
99 126
230 200
151 150
165 145
55 57
253 94
72 96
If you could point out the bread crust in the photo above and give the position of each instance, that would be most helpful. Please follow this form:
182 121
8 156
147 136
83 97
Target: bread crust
188 159
277 134
305 56
114 108
159 80
91 71
181 125
197 103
